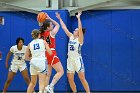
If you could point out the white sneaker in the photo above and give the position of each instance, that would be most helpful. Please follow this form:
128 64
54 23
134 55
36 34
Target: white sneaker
49 89
40 92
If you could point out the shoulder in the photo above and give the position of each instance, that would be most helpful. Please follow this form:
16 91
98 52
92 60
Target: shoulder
71 37
24 46
40 40
14 46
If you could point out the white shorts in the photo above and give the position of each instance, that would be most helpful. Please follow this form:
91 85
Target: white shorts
75 64
38 66
15 67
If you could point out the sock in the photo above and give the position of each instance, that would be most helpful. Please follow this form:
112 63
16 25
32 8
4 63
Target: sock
51 85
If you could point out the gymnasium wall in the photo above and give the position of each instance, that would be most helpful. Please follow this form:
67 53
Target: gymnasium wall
17 24
110 51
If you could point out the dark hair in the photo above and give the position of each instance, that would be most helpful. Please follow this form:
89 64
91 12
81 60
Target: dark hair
84 30
35 33
18 39
45 25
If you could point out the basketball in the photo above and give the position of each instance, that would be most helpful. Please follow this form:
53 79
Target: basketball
41 17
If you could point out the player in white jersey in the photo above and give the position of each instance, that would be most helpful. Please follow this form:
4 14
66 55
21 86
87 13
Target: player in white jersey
17 63
74 61
35 52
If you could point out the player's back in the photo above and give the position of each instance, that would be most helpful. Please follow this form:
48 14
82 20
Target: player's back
37 48
49 38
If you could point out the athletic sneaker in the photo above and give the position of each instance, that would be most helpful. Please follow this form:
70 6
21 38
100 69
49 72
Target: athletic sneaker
40 92
49 89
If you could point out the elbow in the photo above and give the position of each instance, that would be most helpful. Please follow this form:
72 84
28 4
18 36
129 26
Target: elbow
63 27
58 25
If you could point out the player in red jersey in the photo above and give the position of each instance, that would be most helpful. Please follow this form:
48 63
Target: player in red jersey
48 33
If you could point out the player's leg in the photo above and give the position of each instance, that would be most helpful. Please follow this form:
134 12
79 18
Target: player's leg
70 74
42 78
48 75
84 81
33 81
24 72
81 74
8 81
12 71
42 69
59 72
32 84
71 81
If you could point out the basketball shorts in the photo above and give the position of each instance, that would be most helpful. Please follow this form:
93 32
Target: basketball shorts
75 64
15 67
52 59
38 66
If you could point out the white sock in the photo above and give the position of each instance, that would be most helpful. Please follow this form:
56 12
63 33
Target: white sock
51 85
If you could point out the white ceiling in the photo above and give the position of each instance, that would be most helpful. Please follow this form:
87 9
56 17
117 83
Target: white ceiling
35 6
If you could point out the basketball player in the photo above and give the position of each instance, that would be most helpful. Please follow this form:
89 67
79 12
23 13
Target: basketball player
74 61
38 63
17 63
48 33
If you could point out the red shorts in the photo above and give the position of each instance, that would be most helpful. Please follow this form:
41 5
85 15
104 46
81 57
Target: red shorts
52 59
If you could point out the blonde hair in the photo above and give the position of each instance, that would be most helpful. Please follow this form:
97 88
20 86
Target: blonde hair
35 33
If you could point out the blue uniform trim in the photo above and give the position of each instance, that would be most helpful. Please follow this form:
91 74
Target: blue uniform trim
45 68
81 61
79 49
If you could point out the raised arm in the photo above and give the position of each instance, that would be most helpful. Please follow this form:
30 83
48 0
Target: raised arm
28 53
81 37
7 59
47 48
56 28
68 33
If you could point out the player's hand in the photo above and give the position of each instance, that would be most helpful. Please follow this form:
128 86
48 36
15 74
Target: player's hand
48 17
79 14
57 15
7 66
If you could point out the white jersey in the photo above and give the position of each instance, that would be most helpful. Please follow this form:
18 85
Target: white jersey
38 63
74 47
37 48
18 55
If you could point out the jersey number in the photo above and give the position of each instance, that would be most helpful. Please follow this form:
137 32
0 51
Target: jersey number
48 40
71 48
36 46
19 58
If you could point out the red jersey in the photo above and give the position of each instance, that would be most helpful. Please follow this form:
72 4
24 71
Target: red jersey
49 39
52 59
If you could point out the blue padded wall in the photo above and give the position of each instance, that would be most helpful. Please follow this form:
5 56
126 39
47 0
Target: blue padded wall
110 51
17 24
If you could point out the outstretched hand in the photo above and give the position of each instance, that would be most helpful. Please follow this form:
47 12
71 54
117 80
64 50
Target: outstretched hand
48 17
57 15
79 14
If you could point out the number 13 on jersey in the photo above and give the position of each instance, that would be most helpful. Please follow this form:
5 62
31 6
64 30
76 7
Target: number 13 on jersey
36 46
